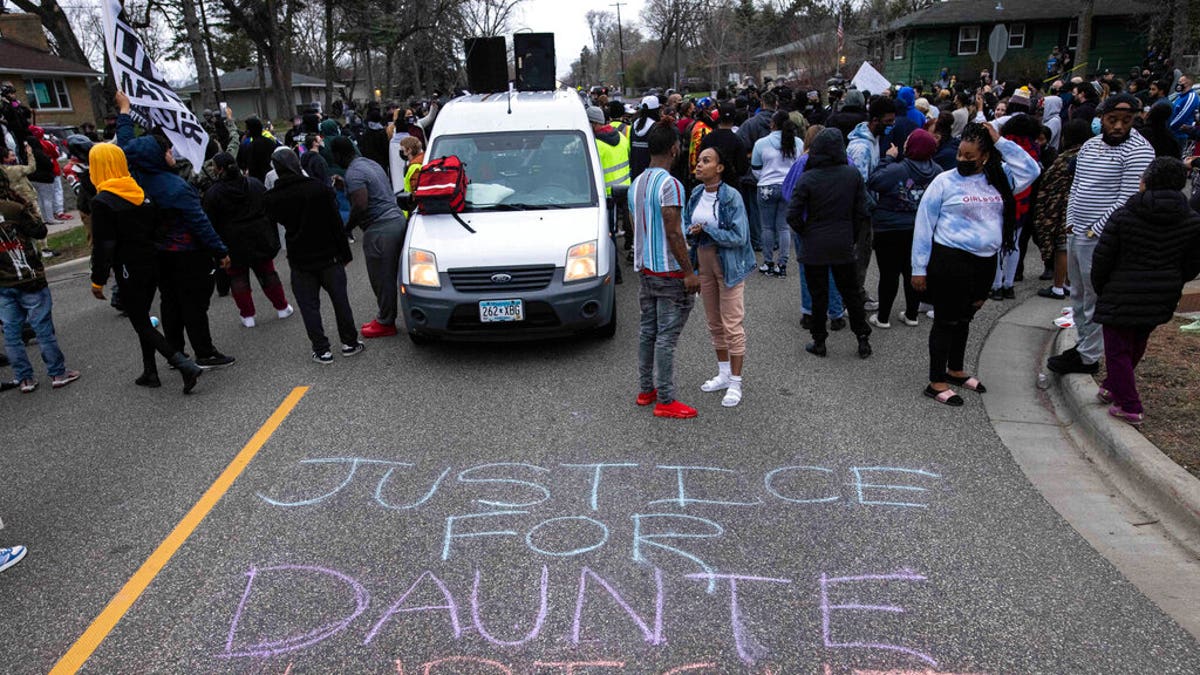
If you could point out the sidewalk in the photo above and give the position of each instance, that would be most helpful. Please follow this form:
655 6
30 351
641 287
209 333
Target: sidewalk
64 225
1115 493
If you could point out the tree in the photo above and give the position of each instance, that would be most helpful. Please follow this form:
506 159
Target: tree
1086 7
269 25
55 21
487 18
204 75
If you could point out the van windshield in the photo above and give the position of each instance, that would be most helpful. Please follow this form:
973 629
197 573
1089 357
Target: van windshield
517 170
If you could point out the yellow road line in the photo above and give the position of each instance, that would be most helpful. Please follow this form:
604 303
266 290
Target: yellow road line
87 643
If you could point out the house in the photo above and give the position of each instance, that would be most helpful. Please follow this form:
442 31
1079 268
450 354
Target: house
56 89
241 89
954 35
811 57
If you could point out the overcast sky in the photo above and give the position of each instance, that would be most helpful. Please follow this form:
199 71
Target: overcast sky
565 18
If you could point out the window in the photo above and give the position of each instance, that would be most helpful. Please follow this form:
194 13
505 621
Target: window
1016 35
523 170
898 48
968 40
47 94
1073 34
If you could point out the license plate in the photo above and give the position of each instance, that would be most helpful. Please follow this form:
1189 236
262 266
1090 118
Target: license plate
491 311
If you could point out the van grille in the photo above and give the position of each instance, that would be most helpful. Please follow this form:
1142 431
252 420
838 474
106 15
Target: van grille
479 279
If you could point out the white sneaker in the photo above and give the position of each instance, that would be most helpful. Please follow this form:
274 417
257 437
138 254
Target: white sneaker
929 314
907 321
1065 321
285 312
873 319
248 321
1068 311
732 397
716 384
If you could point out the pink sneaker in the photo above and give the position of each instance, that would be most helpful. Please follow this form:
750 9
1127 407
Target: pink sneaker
1134 419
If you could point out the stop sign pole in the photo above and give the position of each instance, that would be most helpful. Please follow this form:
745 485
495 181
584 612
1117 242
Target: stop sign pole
997 48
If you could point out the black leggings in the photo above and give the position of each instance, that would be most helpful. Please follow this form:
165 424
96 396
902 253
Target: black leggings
845 277
958 282
893 254
186 284
137 295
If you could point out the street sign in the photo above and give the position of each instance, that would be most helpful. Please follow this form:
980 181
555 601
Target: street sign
998 43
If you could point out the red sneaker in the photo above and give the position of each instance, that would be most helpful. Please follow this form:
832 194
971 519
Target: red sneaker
675 409
647 397
64 216
374 329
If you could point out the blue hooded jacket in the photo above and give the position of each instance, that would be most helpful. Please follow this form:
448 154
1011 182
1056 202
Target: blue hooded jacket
908 97
186 226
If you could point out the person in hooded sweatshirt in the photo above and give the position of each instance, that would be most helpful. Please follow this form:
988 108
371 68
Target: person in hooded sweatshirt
1147 252
317 252
1052 119
639 143
188 247
234 204
828 211
374 141
1161 138
254 155
124 225
899 184
852 113
965 218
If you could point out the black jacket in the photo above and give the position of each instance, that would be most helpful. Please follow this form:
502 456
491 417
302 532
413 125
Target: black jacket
20 264
1149 250
374 145
828 209
731 147
312 226
124 237
255 157
846 119
238 214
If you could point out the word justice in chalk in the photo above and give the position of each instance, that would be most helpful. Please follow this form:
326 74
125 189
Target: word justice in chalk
402 486
459 613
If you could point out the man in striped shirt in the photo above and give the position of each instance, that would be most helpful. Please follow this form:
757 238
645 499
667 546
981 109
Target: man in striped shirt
668 283
1108 170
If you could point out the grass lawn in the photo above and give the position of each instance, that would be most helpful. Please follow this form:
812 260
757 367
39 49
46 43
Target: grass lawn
69 245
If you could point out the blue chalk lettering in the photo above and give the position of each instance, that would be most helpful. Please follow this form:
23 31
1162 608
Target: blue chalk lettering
496 533
649 539
596 469
771 488
354 464
387 476
859 485
506 505
683 500
572 552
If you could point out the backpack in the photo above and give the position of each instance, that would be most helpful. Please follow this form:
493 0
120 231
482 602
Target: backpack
441 188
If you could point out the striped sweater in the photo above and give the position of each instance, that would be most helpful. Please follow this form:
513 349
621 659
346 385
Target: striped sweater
1106 176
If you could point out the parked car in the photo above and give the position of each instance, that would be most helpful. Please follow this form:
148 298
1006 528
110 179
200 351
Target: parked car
57 134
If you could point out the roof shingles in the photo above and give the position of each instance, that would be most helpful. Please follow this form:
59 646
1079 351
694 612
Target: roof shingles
20 59
984 11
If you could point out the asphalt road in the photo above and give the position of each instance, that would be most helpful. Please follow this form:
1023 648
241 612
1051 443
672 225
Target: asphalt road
835 522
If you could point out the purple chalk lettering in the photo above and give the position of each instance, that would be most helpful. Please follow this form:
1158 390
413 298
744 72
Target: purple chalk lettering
451 606
543 608
827 609
427 668
654 637
568 667
294 642
748 649
682 500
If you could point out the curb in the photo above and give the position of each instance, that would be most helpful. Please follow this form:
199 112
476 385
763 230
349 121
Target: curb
1166 484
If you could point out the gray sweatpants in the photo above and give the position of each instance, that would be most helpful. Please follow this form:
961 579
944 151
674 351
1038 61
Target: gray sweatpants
382 243
1083 298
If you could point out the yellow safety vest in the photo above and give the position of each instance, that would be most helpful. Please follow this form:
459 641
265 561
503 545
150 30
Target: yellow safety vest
614 159
621 128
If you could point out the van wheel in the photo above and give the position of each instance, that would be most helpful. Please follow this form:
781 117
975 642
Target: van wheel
419 340
609 329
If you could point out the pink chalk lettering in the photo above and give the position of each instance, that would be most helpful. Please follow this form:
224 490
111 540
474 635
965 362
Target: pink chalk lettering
654 637
827 610
427 668
568 667
543 608
294 642
690 667
748 649
451 607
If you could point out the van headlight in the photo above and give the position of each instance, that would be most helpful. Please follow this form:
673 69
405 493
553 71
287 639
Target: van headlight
581 262
422 269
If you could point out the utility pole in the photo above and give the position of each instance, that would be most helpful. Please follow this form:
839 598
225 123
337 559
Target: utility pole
620 44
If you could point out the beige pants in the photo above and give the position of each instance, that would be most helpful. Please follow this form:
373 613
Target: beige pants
723 307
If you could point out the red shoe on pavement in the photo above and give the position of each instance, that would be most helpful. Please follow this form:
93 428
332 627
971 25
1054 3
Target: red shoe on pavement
647 397
64 216
675 409
374 329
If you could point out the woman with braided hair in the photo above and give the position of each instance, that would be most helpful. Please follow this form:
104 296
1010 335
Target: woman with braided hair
966 217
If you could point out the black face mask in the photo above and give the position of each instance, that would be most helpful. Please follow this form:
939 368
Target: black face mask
966 168
1180 88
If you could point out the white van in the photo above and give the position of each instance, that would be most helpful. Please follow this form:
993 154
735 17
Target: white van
539 262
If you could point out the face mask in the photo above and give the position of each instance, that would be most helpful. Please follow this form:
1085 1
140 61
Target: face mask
1179 88
411 120
1095 126
966 168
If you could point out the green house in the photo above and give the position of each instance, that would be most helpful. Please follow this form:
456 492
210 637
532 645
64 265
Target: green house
954 34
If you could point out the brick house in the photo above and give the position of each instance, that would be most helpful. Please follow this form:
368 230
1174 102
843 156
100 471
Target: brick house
56 89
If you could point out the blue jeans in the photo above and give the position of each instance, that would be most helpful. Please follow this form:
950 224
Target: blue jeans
17 308
836 307
665 308
772 213
750 199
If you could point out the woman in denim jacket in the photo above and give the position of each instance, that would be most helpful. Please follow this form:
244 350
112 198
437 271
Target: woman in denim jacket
719 234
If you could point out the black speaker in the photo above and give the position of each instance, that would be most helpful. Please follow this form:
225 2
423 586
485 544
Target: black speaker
487 65
534 53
